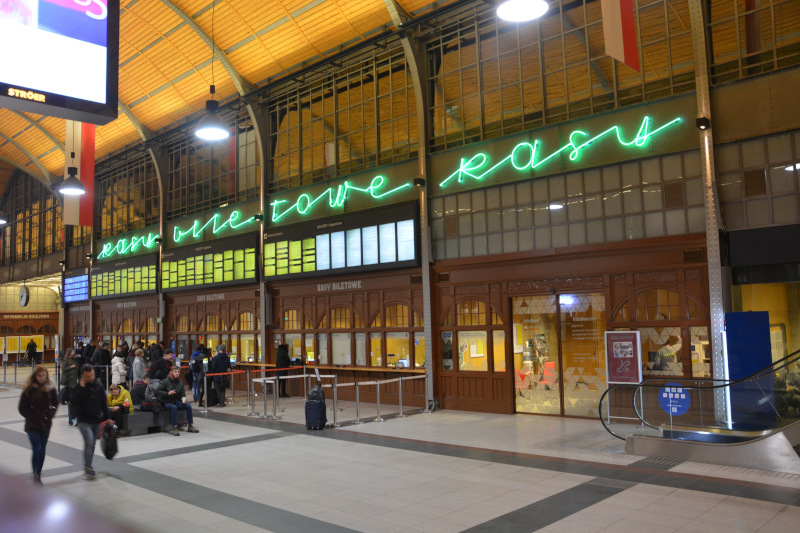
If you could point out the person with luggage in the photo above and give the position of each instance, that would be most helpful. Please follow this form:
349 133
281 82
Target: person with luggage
89 399
219 364
282 361
38 404
172 394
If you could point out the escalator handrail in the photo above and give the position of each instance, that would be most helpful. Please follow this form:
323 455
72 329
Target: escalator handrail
769 369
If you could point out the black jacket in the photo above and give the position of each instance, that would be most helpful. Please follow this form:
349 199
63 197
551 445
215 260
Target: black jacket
282 360
167 385
220 363
159 368
101 357
90 403
38 407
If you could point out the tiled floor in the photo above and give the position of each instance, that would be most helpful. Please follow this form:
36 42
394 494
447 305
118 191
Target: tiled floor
435 472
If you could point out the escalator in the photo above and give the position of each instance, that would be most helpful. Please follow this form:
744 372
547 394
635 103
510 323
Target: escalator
752 422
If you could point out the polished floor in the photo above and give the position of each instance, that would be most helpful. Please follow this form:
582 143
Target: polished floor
436 472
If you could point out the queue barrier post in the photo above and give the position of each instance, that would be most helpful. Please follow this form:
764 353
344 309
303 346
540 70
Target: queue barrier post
335 399
275 399
251 400
204 396
15 373
378 398
400 397
233 387
264 394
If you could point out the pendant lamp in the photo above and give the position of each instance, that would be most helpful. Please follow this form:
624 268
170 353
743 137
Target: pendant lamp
71 186
211 127
521 10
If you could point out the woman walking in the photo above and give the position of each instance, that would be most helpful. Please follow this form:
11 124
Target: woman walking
38 405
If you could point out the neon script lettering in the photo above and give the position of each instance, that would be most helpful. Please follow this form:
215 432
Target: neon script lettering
196 229
305 202
123 246
525 156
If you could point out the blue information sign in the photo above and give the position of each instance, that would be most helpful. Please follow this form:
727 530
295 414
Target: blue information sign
674 399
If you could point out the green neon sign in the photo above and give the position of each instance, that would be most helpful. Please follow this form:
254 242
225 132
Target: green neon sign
305 202
216 223
525 156
125 246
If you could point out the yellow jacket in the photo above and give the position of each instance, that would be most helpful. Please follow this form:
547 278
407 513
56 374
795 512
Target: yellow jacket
120 399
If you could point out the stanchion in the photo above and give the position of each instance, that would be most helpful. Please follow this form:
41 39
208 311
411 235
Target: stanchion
358 415
275 397
106 373
400 397
233 387
251 400
15 374
264 393
378 418
335 400
205 408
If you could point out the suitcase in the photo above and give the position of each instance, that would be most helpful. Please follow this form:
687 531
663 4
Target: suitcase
315 414
212 398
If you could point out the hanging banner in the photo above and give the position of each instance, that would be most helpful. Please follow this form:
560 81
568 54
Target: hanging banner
79 140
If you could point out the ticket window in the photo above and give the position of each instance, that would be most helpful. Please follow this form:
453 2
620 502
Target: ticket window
397 350
295 342
213 342
309 350
341 348
361 349
247 348
323 348
419 349
375 352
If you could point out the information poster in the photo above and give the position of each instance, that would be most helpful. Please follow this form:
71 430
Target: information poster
12 344
623 357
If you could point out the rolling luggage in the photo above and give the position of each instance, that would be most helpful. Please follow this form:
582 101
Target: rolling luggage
316 417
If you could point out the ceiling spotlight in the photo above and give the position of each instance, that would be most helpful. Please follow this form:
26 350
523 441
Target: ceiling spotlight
89 257
554 207
702 123
258 216
521 10
71 186
3 219
419 182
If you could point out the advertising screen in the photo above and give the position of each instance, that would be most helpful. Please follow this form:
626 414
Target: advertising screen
60 58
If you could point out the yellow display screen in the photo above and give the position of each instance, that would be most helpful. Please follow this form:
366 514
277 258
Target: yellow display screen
124 281
202 269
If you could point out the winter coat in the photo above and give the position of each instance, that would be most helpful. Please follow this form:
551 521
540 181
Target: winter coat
139 370
282 360
159 368
137 392
38 407
119 399
220 363
170 384
118 370
70 373
90 403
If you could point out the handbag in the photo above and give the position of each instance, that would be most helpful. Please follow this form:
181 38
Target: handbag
108 441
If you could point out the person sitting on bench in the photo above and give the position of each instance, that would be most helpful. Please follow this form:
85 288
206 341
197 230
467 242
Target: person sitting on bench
116 404
172 394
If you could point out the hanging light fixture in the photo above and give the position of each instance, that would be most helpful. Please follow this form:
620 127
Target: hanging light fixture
521 10
211 127
71 186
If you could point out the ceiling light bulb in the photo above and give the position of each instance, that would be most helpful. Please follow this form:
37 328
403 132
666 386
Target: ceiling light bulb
211 127
3 219
71 186
555 206
521 10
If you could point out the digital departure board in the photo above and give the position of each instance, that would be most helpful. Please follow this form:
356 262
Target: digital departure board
76 288
130 276
228 261
371 240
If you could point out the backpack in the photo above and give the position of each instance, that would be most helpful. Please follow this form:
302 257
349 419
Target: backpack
197 363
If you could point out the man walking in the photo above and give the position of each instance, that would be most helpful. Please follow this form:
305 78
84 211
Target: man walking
172 394
31 352
89 399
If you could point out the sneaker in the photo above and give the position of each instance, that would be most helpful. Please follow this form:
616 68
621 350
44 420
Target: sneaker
221 405
175 431
89 471
74 421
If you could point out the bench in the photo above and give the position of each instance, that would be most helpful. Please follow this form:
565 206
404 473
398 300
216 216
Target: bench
146 422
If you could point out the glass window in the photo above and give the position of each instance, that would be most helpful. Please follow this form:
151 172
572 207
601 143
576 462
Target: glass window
323 348
447 350
291 319
375 349
661 351
397 349
499 350
583 323
361 349
535 343
309 347
701 352
657 304
341 348
472 351
396 316
471 313
419 349
295 342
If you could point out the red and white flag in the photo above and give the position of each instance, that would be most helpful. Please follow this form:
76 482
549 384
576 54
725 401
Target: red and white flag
619 31
79 210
